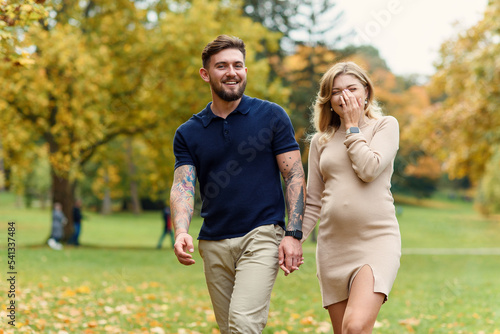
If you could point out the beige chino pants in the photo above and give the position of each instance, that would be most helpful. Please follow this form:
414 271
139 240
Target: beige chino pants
240 274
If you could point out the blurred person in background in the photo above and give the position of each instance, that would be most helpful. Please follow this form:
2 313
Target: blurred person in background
167 228
77 223
57 232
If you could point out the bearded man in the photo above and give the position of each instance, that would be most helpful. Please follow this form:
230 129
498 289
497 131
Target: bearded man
237 148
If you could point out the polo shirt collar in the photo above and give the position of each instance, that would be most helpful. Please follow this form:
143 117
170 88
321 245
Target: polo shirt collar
243 108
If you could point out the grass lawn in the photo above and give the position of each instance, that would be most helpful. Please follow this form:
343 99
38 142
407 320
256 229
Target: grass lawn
117 282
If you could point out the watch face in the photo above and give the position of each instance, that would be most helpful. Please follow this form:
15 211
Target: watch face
352 130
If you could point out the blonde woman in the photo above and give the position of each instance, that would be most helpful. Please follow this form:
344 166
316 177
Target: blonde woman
348 189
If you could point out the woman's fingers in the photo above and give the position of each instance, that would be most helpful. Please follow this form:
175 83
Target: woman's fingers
350 99
349 96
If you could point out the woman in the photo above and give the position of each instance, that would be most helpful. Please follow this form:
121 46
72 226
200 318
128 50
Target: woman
350 167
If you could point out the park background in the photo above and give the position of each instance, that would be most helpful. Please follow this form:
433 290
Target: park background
91 93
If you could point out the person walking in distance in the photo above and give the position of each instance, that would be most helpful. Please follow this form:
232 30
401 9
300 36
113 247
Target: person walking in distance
167 227
57 232
237 148
77 223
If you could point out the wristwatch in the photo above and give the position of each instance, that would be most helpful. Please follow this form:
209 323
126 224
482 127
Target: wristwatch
297 234
352 129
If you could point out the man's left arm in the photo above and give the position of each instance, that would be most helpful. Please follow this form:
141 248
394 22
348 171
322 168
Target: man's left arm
290 249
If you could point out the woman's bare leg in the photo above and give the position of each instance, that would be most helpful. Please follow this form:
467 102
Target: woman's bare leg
363 304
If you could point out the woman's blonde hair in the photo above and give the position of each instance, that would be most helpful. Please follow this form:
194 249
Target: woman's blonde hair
325 120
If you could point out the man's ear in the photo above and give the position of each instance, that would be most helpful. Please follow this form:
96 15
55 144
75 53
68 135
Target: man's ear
204 74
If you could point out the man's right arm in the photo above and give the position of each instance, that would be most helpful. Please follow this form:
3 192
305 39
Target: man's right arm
182 205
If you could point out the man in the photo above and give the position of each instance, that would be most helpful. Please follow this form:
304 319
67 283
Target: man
167 228
237 147
77 223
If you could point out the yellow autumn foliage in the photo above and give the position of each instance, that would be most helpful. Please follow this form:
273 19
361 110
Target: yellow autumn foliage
463 128
103 71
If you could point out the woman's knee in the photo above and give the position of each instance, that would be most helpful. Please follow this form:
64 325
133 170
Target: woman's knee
355 325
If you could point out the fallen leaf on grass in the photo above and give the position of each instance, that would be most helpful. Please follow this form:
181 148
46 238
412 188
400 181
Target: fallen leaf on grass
324 327
410 321
92 324
157 330
68 293
154 324
307 321
83 289
19 324
150 296
210 316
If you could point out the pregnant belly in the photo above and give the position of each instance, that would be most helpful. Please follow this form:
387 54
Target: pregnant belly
357 214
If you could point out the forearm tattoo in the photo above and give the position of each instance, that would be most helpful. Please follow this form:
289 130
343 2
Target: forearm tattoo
182 197
293 175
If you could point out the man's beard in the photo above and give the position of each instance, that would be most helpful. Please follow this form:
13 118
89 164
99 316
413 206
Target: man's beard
228 95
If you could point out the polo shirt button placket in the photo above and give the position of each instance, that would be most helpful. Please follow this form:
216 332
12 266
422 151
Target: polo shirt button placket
226 131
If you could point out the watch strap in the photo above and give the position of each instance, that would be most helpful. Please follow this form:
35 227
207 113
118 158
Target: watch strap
297 234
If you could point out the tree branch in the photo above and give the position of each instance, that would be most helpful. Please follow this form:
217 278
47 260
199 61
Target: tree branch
86 153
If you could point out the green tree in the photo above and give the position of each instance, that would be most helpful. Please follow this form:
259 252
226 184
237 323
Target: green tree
488 197
15 18
462 129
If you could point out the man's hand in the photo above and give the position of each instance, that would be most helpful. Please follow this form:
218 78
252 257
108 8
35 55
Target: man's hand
290 255
184 243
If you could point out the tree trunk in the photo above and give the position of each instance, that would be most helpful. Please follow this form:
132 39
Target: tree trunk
134 187
63 191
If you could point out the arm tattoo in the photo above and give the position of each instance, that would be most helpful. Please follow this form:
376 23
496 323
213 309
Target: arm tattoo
182 197
295 194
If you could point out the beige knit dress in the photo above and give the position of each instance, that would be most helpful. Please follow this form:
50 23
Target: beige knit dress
348 190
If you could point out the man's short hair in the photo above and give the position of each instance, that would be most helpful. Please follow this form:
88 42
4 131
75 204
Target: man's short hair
222 42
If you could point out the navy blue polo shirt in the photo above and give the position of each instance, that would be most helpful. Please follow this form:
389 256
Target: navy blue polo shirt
235 161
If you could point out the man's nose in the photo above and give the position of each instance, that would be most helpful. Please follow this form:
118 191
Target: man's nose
231 71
